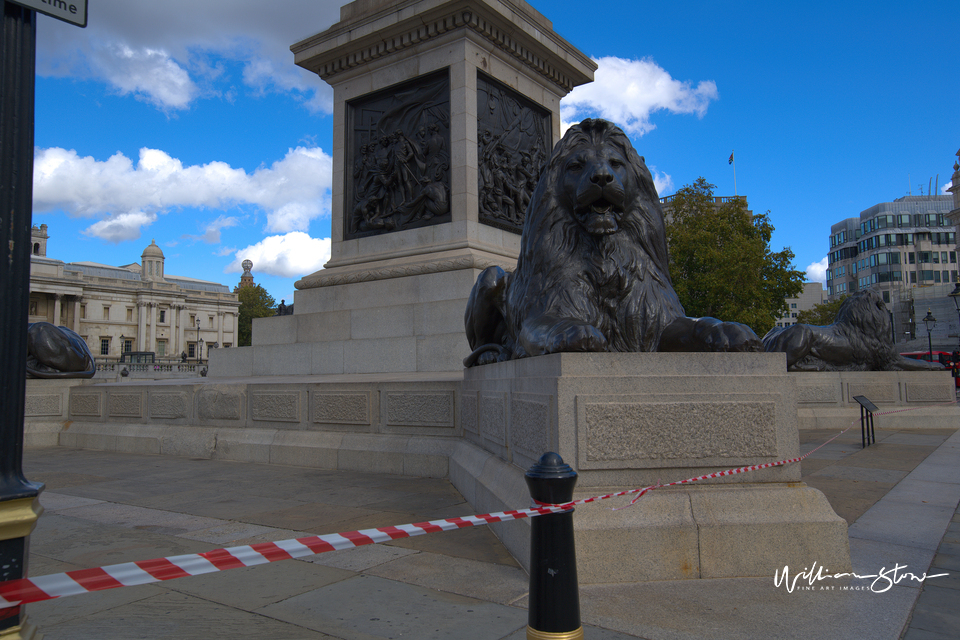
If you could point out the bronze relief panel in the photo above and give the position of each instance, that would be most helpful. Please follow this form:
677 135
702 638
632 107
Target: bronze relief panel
513 137
398 158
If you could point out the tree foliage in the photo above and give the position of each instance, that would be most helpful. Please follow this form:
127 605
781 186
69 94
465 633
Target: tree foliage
721 263
255 302
821 314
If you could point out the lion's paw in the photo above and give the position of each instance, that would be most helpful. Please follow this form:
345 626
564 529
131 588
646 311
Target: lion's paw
570 335
730 336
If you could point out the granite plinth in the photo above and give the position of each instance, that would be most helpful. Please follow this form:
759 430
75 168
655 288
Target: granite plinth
631 420
825 399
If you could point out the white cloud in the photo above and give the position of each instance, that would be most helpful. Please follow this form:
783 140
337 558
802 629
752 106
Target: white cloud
945 189
211 233
163 52
817 271
151 75
293 191
662 181
121 227
290 255
628 92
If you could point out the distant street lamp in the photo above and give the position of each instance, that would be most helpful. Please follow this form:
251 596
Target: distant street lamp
955 294
928 320
198 340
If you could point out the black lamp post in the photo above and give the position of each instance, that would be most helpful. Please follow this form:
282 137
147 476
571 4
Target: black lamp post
200 350
927 321
198 340
955 294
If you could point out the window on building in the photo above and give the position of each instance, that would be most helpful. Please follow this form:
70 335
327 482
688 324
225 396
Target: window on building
104 346
83 311
913 277
946 276
943 257
192 350
161 348
912 258
163 315
793 305
210 322
106 312
953 257
34 307
886 296
129 315
793 315
193 320
127 345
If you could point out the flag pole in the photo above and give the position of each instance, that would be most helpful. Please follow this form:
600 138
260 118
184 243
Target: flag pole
733 161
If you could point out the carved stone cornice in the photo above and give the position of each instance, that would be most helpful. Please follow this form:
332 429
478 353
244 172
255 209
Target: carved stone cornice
338 276
424 28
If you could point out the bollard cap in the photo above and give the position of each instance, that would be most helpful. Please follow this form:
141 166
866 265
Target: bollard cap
551 465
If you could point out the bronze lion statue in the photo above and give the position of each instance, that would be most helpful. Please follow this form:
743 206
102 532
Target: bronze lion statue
57 352
593 268
860 339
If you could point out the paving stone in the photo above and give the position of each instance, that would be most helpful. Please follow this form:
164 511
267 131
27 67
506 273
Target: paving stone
482 580
251 588
180 616
371 607
885 476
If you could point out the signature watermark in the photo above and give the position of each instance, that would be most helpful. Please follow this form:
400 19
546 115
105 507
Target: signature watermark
881 581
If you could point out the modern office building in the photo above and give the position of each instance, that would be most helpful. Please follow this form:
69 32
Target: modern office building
893 246
135 307
954 188
897 248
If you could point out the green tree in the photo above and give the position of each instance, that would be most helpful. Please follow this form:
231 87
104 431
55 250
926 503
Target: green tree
821 314
255 302
721 263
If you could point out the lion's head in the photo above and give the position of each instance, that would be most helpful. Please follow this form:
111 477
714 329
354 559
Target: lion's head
865 312
597 181
594 245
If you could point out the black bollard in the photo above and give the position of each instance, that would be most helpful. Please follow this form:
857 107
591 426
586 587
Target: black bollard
554 591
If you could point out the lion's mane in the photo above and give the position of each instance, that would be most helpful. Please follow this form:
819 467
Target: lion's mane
619 283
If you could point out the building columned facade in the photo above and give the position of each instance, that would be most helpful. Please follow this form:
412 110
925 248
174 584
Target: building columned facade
135 307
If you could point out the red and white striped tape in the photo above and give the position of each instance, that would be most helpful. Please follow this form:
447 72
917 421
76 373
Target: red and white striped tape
25 590
129 574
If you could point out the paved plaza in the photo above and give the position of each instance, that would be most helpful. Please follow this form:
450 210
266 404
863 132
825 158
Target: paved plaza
899 496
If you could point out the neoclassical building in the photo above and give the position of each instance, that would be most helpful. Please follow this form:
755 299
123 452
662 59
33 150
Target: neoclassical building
134 307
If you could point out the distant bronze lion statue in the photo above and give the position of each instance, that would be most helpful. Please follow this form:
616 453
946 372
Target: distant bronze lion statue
592 273
57 352
860 339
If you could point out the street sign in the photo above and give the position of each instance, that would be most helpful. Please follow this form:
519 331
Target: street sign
72 11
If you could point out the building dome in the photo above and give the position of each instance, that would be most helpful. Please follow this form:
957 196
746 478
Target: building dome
247 266
152 251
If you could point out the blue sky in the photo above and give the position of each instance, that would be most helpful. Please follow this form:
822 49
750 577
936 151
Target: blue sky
188 123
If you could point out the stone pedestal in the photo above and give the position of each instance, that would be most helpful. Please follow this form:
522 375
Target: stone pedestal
635 419
444 111
914 399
